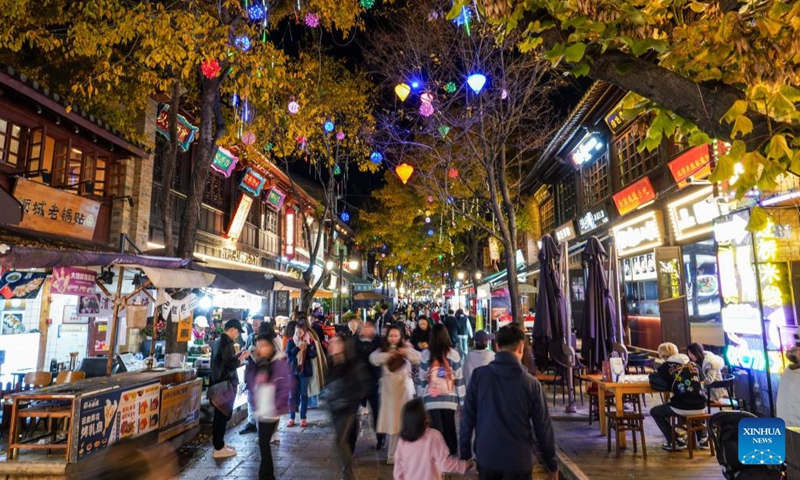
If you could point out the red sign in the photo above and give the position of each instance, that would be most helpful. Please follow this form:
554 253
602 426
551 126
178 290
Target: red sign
690 163
634 196
73 281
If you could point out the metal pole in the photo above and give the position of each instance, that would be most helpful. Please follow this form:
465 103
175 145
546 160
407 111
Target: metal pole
341 284
112 345
566 294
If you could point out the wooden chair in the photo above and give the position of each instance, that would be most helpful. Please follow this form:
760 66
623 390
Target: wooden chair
552 380
37 380
730 402
629 422
69 376
693 424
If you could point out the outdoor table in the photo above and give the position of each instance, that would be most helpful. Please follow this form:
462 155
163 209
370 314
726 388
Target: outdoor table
636 385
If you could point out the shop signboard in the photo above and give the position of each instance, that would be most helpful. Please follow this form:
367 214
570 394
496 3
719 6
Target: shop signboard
592 220
50 210
290 231
616 119
690 163
639 234
115 414
18 285
634 196
275 199
186 131
693 214
541 194
224 162
565 232
240 216
73 281
180 409
252 182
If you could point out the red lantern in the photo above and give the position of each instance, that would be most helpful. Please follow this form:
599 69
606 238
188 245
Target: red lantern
210 69
404 171
453 173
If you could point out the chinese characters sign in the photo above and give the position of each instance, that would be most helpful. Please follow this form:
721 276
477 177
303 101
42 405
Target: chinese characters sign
224 162
275 198
689 163
639 234
237 222
541 194
180 408
186 131
692 215
565 232
290 230
592 220
73 281
634 196
252 182
50 210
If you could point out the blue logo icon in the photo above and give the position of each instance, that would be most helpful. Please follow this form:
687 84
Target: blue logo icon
762 441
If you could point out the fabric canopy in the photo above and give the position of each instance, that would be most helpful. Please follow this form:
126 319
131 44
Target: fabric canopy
19 256
258 282
550 328
369 296
320 293
177 278
599 311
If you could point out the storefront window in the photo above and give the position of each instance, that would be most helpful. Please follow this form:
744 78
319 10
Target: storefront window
702 282
10 142
641 289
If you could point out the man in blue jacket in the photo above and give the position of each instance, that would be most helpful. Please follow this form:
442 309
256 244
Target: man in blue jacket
503 402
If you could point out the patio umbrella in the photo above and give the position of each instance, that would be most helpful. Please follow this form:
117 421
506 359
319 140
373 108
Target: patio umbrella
599 311
551 326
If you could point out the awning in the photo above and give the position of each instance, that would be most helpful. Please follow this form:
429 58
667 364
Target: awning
320 293
19 256
177 278
369 296
260 282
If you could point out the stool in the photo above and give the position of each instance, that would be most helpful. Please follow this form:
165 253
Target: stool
551 380
693 424
628 422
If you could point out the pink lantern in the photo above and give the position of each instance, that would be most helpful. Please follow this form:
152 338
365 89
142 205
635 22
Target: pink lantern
426 109
249 138
453 173
311 20
340 135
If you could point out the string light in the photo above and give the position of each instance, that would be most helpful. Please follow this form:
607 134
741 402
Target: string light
328 126
242 42
476 81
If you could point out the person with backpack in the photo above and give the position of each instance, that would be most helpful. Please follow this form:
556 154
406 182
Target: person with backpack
422 453
272 383
442 384
395 357
688 395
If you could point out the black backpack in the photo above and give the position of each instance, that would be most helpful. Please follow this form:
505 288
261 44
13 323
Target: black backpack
724 432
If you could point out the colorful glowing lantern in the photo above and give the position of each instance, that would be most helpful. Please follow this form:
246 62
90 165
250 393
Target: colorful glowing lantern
402 91
210 69
476 81
404 171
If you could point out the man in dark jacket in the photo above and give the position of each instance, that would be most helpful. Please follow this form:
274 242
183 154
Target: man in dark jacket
462 333
504 402
224 363
367 342
384 319
449 322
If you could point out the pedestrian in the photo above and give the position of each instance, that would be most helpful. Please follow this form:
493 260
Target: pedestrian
688 396
788 408
301 350
367 342
348 383
505 405
422 453
384 319
449 322
318 368
273 382
224 362
463 332
442 385
352 327
396 388
480 356
421 335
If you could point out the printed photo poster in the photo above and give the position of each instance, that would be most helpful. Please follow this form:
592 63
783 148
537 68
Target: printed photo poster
97 425
139 411
180 408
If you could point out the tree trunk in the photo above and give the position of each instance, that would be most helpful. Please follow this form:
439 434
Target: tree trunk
210 128
168 169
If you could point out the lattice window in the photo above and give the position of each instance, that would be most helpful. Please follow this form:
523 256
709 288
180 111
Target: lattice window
254 214
214 195
595 182
11 139
269 221
633 164
677 145
548 214
567 199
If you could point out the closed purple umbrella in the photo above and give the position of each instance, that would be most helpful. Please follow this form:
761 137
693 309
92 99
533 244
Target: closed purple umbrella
550 328
599 311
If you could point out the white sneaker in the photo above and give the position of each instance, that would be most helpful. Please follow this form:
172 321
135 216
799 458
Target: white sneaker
224 452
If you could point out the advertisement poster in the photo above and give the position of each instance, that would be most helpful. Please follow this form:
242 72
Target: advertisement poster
97 422
139 411
15 284
180 408
73 281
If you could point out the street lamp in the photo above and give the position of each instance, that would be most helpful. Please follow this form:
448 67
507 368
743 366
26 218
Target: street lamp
478 275
345 290
353 264
329 265
460 275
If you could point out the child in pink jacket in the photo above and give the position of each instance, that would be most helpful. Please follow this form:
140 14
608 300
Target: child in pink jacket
422 453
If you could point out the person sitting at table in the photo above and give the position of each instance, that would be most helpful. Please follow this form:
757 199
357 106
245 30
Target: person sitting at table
688 396
711 365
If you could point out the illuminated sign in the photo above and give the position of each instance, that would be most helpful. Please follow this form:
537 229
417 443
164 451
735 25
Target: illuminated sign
741 318
565 232
732 228
237 222
634 196
690 163
275 198
639 234
290 234
252 182
693 214
592 220
617 120
590 146
744 357
541 194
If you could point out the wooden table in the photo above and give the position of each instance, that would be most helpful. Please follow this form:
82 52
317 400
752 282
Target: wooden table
618 389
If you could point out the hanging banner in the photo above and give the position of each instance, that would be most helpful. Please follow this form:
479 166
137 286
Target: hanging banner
174 309
186 131
224 162
252 182
275 199
237 222
15 284
494 249
634 196
185 328
73 281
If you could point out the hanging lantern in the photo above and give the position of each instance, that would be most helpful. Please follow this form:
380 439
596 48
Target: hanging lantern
404 171
249 138
340 135
426 97
450 87
426 109
430 198
504 94
376 157
402 91
430 232
328 126
476 81
367 4
242 42
256 12
294 107
344 216
311 20
337 170
427 219
210 69
453 173
444 130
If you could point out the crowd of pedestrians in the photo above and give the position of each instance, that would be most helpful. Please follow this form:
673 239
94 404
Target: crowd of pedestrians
412 368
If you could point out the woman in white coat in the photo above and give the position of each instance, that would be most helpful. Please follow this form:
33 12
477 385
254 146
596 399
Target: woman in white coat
396 388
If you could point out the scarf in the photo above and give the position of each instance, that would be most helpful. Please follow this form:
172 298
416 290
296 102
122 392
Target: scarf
298 339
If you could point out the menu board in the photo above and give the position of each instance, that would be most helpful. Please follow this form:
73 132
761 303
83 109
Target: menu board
180 408
110 416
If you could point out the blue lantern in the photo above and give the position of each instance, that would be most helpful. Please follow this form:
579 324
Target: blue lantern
430 232
344 216
328 126
376 157
256 12
476 81
464 17
242 42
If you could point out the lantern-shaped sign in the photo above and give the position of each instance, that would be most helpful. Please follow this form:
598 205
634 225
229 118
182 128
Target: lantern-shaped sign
426 109
404 171
210 68
402 90
453 173
252 182
224 162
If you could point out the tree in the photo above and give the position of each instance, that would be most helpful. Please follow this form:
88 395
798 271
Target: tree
724 69
123 52
470 138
